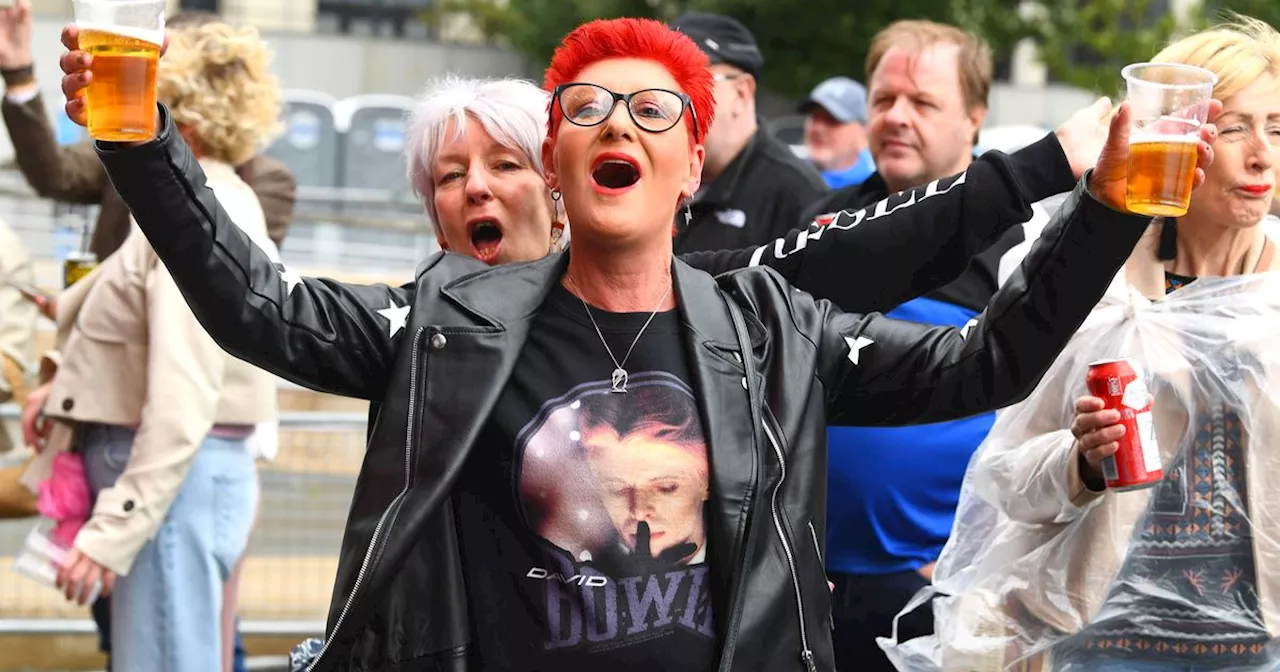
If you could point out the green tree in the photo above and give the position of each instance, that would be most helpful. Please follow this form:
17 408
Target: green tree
535 27
804 41
807 42
1086 43
1266 10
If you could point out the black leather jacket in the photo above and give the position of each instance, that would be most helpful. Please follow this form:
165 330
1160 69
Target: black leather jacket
437 352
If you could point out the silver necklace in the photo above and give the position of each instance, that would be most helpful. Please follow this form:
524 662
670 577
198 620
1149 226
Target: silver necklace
618 381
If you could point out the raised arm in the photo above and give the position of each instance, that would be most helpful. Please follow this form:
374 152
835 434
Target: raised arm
71 174
912 242
880 371
318 333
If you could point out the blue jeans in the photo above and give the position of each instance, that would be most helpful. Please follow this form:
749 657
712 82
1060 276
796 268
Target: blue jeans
165 612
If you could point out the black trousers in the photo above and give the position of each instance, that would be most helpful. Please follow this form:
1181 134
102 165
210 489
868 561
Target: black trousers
864 606
101 610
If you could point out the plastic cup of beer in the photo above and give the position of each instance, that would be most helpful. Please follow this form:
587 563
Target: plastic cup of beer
76 265
1168 102
124 38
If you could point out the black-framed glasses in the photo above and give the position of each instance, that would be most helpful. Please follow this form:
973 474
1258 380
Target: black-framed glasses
654 110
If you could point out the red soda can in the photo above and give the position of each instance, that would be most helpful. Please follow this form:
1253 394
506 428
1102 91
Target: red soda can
1136 464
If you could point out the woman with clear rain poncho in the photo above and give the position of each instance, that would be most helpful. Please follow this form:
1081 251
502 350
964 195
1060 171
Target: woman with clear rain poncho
1048 570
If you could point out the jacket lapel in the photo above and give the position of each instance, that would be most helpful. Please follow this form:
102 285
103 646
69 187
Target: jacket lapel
459 369
462 370
731 446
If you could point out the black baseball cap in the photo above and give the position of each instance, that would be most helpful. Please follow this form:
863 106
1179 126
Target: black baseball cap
723 39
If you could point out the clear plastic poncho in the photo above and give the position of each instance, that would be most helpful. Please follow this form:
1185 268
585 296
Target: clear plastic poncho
1042 574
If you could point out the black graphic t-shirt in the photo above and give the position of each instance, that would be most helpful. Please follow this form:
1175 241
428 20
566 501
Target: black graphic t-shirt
582 511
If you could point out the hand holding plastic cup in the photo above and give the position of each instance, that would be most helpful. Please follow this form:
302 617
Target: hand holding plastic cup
39 559
124 38
1168 102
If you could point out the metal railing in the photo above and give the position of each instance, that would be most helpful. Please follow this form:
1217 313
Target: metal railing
352 232
291 560
292 557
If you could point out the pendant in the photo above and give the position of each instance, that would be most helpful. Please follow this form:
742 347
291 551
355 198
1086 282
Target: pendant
619 381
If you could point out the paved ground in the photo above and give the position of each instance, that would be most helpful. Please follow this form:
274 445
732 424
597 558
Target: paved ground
80 654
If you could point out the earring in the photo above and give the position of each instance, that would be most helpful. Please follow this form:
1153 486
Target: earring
688 215
557 237
556 195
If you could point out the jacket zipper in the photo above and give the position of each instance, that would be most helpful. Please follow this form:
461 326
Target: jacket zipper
408 472
816 548
735 612
831 617
806 654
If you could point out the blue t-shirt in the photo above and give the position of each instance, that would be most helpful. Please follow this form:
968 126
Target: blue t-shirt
892 491
855 174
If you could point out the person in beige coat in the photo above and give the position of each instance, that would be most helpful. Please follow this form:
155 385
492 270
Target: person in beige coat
17 323
160 414
1048 569
17 329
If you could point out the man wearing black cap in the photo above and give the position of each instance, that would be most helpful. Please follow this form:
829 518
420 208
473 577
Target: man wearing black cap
753 187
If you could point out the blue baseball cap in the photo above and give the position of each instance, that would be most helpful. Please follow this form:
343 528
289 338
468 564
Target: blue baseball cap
841 97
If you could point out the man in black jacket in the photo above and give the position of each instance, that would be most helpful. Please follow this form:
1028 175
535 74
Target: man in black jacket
753 186
928 86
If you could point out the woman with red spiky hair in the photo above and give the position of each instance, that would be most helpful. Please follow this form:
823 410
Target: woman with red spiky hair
460 552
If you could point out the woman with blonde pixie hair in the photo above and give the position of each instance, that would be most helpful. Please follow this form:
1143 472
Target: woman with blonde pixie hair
1050 568
162 417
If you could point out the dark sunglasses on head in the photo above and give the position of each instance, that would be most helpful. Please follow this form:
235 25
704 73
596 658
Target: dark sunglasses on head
654 110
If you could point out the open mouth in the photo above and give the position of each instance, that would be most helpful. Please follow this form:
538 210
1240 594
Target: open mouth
615 173
486 239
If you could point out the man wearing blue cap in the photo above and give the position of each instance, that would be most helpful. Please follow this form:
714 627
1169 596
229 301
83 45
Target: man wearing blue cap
835 132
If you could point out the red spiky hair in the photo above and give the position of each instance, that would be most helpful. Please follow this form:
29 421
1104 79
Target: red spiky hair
603 39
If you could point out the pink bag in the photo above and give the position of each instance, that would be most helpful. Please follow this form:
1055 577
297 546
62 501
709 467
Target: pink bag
64 497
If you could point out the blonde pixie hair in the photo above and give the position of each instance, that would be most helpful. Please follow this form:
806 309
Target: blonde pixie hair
215 80
1238 51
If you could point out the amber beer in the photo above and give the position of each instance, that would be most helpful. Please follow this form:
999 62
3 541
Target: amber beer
76 266
1161 172
122 96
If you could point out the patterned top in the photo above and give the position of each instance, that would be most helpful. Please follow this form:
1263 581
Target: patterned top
1187 590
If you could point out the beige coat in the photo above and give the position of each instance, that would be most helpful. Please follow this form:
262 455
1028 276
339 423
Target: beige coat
1038 475
17 326
131 353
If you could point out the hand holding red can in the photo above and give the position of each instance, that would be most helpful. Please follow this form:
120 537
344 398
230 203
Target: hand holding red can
1098 431
1114 429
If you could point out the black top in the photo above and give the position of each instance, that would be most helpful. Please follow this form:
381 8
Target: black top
758 197
582 511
